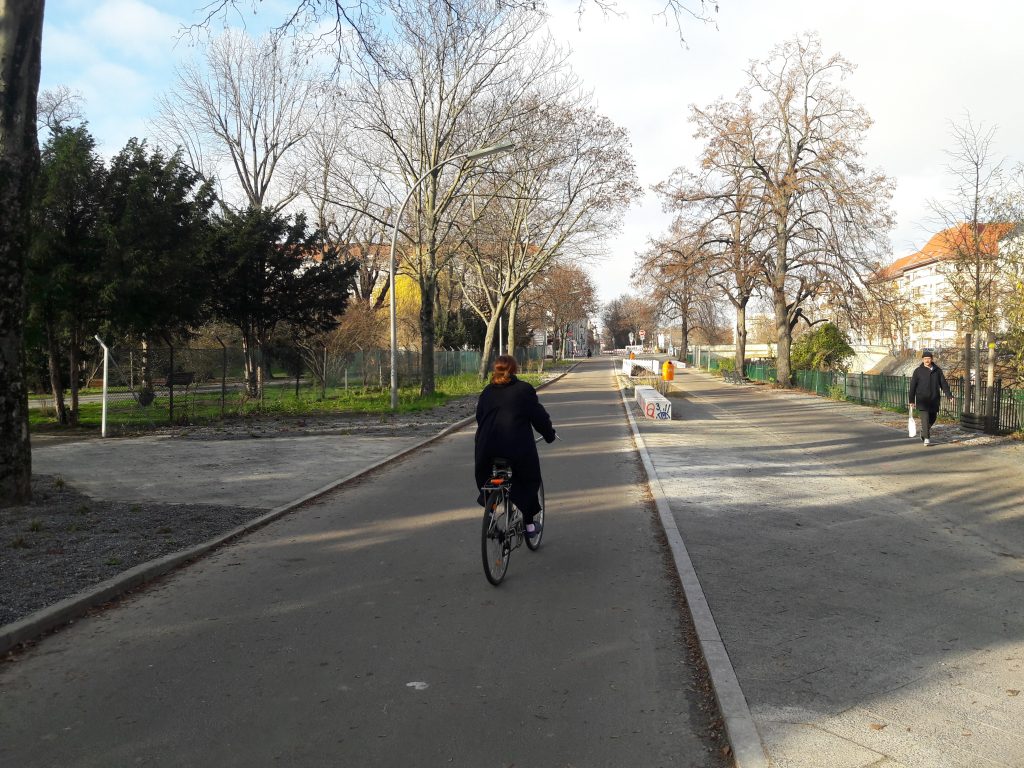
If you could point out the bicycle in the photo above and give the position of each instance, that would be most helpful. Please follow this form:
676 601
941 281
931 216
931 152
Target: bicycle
503 526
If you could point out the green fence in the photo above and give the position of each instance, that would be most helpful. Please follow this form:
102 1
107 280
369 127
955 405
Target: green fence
885 391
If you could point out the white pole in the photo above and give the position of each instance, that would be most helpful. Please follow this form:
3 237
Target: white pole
501 334
106 372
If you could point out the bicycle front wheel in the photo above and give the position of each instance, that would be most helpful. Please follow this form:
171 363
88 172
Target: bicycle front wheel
495 542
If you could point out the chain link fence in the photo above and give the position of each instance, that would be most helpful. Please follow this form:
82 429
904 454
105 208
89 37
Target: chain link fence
158 385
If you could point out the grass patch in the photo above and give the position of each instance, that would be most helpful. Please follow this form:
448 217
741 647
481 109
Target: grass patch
125 414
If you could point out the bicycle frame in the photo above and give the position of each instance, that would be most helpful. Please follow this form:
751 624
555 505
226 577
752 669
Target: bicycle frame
501 481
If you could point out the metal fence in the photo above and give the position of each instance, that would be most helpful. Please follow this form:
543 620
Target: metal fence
1007 405
157 385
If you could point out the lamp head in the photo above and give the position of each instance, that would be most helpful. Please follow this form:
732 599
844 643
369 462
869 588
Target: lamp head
495 149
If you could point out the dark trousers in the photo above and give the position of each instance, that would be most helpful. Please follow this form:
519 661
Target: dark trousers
927 419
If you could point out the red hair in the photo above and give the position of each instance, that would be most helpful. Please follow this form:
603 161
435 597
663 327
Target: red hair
504 368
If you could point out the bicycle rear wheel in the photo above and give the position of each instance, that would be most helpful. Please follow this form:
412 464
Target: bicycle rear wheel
532 542
495 543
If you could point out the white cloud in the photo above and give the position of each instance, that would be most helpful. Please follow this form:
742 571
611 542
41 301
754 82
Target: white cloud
132 28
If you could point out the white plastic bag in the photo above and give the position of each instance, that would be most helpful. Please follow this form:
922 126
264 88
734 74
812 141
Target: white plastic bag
911 424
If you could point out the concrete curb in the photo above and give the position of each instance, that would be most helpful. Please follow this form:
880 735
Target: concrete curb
748 751
66 611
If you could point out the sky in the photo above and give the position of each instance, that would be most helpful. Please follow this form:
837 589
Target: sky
920 64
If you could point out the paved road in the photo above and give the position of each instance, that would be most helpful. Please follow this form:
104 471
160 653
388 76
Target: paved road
359 631
869 590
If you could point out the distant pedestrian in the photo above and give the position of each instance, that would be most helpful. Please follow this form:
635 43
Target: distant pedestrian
926 388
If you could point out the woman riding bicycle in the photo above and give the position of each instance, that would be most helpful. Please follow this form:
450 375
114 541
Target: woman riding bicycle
506 414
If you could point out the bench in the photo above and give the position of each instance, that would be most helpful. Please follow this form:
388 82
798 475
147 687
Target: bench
653 404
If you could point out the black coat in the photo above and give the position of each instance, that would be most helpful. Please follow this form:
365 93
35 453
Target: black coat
506 415
925 387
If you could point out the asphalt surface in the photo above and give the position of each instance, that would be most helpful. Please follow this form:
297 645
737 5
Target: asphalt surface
869 589
360 631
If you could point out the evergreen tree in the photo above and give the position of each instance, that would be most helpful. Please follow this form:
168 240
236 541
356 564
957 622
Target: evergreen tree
267 270
157 214
65 255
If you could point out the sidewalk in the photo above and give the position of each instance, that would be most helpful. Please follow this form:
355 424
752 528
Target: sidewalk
867 589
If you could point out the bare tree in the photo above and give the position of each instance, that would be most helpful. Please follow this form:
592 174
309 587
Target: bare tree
560 197
885 312
451 78
723 207
674 273
343 182
333 19
973 220
799 133
243 110
561 295
59 106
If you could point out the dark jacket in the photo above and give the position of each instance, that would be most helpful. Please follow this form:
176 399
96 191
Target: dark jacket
506 415
925 386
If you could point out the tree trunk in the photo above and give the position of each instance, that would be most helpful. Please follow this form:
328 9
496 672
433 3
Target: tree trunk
259 367
73 365
145 370
21 32
783 330
513 305
968 406
428 289
56 377
741 340
684 340
979 392
990 379
485 355
783 340
252 365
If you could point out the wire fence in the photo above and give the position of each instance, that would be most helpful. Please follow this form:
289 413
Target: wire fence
157 385
891 392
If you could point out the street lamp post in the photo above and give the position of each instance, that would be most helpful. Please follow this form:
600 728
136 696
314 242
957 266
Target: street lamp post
476 154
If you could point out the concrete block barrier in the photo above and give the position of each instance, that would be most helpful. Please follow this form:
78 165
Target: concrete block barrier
653 404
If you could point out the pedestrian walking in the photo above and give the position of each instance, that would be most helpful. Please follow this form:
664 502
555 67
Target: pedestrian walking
926 387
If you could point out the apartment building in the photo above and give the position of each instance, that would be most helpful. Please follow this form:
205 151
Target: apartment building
923 300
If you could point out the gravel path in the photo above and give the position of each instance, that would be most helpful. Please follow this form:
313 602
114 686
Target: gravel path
64 542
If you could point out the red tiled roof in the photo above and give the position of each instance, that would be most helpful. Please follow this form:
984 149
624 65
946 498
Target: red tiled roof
946 245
